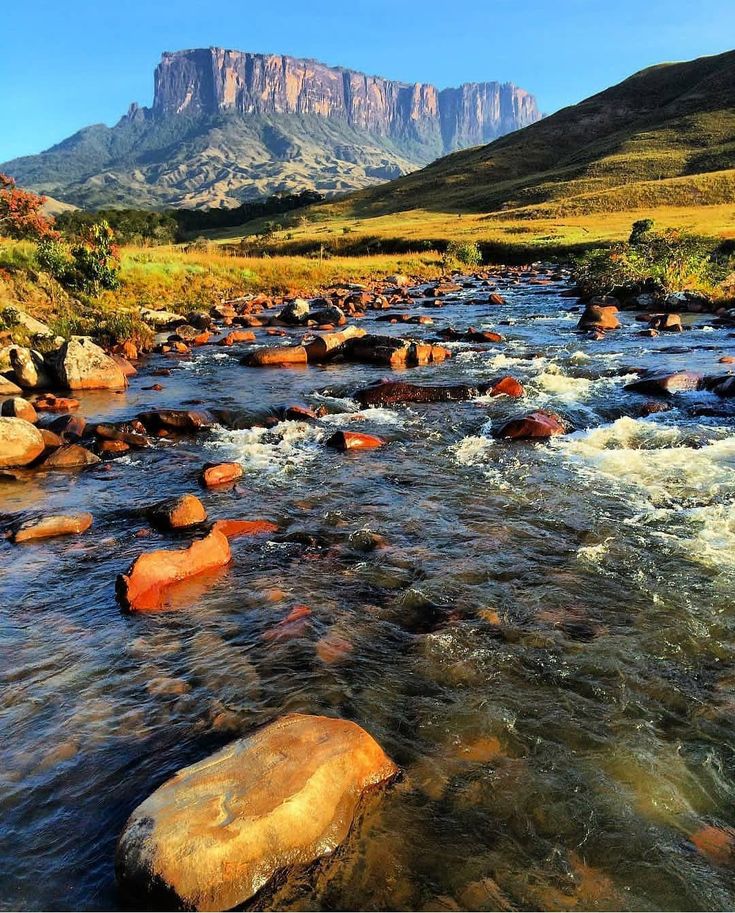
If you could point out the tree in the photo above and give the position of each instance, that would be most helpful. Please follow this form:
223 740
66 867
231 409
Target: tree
20 213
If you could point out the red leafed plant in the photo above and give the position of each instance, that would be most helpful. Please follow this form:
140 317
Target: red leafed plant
20 213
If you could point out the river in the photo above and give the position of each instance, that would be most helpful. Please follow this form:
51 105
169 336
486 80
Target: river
543 638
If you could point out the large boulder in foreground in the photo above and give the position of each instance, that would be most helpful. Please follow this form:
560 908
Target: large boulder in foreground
82 365
143 588
20 442
215 833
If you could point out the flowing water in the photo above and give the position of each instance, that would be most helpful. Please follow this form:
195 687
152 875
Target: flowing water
544 639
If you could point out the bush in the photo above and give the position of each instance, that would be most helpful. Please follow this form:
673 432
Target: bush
91 266
465 252
671 260
20 213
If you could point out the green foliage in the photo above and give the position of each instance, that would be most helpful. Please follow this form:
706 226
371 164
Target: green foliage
131 226
671 260
465 252
91 266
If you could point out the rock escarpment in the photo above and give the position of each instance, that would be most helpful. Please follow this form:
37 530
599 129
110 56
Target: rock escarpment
226 126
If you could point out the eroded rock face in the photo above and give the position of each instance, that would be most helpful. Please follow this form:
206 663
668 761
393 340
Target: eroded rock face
82 365
20 442
214 834
214 80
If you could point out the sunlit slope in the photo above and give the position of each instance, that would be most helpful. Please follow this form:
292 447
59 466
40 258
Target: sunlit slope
663 137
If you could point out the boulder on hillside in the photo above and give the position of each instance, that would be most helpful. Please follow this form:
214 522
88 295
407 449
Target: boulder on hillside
215 833
81 365
20 442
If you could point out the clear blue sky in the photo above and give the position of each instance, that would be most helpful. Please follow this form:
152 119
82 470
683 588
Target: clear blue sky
65 64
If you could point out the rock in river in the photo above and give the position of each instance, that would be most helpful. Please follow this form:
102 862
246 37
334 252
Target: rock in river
388 392
178 513
143 587
20 442
82 365
662 383
215 833
599 317
49 527
538 424
354 440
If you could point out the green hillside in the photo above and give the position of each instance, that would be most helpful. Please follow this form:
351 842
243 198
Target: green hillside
646 141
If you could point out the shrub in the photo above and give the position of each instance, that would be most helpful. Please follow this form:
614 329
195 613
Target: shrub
20 213
671 260
465 252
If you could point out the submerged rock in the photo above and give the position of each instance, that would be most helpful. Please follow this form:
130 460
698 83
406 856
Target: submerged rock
143 587
233 529
20 442
386 393
214 834
183 421
48 527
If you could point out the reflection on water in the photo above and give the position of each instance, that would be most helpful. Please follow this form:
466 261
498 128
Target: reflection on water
541 635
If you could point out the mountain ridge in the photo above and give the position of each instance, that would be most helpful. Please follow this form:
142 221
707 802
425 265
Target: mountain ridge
227 125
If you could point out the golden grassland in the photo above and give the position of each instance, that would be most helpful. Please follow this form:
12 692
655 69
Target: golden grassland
512 231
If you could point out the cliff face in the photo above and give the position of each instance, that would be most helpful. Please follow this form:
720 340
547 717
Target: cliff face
227 126
213 80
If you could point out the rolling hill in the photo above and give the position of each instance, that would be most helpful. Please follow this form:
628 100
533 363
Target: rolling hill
663 137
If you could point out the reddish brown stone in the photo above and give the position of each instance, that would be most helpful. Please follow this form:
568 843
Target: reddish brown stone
233 529
220 473
144 586
538 424
354 440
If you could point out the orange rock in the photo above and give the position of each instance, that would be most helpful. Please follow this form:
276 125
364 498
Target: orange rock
50 403
353 440
113 447
237 336
534 425
48 527
215 833
178 513
276 356
17 407
727 359
235 528
507 386
202 339
143 587
220 473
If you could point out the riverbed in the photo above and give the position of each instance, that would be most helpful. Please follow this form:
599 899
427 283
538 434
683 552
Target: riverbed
541 635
